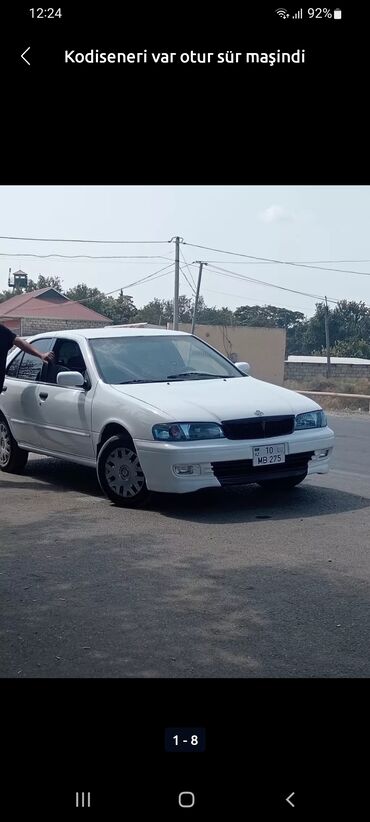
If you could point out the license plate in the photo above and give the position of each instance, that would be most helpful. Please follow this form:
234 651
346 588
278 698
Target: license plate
268 454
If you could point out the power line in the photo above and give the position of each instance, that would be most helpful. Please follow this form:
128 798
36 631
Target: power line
335 261
188 267
155 275
279 262
242 297
185 278
294 262
132 257
103 242
235 275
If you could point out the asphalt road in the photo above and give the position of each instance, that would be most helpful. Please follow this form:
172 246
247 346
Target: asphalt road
224 584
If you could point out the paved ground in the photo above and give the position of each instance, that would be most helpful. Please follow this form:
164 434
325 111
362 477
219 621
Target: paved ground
226 584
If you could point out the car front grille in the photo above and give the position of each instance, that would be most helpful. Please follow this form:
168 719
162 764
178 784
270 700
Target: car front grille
242 472
255 428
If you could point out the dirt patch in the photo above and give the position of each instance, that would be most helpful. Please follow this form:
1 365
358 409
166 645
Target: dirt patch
342 404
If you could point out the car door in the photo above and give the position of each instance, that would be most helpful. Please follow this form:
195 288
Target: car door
65 413
19 399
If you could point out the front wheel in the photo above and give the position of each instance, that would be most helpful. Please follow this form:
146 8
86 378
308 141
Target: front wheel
120 474
283 484
12 458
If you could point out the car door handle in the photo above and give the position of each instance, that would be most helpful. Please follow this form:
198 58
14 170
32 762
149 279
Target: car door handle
43 396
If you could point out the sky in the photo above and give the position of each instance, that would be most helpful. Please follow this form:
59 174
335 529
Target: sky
307 224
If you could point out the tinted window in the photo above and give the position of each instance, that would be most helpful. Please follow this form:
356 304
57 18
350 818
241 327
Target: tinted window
12 369
68 357
31 367
68 354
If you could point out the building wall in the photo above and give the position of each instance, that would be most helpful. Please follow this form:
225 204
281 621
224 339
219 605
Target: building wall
308 371
37 326
263 348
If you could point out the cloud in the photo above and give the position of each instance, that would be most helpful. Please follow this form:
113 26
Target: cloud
276 214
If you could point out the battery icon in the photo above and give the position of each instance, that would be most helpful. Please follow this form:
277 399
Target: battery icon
337 14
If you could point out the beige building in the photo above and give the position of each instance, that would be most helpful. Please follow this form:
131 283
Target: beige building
263 348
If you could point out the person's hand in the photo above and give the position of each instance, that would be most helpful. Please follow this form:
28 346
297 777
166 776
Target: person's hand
49 357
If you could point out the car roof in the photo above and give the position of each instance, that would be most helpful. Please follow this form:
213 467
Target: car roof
108 332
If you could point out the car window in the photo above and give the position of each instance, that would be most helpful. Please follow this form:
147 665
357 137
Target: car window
12 369
30 367
198 358
157 358
68 357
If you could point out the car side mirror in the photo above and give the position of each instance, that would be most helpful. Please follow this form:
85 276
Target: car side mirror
244 367
70 379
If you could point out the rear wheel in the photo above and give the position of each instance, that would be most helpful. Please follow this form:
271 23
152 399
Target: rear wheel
283 484
120 474
12 458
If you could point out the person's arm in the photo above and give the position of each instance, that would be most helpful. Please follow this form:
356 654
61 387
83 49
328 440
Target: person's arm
25 346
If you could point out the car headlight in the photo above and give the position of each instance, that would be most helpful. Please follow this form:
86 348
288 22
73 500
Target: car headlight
311 419
180 431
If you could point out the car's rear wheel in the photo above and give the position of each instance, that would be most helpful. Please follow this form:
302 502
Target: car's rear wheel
282 484
12 458
120 474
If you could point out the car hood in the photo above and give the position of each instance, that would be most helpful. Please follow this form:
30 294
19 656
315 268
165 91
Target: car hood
197 400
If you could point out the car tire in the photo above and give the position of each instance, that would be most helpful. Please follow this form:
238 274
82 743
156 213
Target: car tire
120 475
12 458
283 484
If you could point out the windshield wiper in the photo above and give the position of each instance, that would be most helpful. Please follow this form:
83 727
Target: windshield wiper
194 374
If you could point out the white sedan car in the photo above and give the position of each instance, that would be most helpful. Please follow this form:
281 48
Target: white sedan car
156 410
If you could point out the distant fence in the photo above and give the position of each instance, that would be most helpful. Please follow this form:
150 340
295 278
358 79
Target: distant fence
333 394
313 370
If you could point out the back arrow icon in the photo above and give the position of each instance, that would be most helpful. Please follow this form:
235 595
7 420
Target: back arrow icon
25 58
288 798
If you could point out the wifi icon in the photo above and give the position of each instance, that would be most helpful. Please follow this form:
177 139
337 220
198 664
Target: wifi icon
282 13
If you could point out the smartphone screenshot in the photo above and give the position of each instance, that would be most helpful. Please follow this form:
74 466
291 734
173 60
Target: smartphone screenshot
184 412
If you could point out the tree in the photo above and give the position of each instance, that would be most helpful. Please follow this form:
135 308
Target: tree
350 320
349 328
45 282
160 312
156 312
272 316
185 309
120 309
210 315
351 348
296 339
313 338
92 297
6 295
267 316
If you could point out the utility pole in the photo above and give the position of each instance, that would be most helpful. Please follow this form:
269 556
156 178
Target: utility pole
177 282
201 264
327 336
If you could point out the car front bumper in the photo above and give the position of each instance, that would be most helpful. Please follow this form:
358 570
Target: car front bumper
223 462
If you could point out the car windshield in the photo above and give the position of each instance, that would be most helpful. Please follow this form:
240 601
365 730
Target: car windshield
160 358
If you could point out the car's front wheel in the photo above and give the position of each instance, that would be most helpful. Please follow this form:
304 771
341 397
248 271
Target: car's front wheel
282 484
120 474
12 458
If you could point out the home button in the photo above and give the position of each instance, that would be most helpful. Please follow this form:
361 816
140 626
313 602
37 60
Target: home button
186 799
